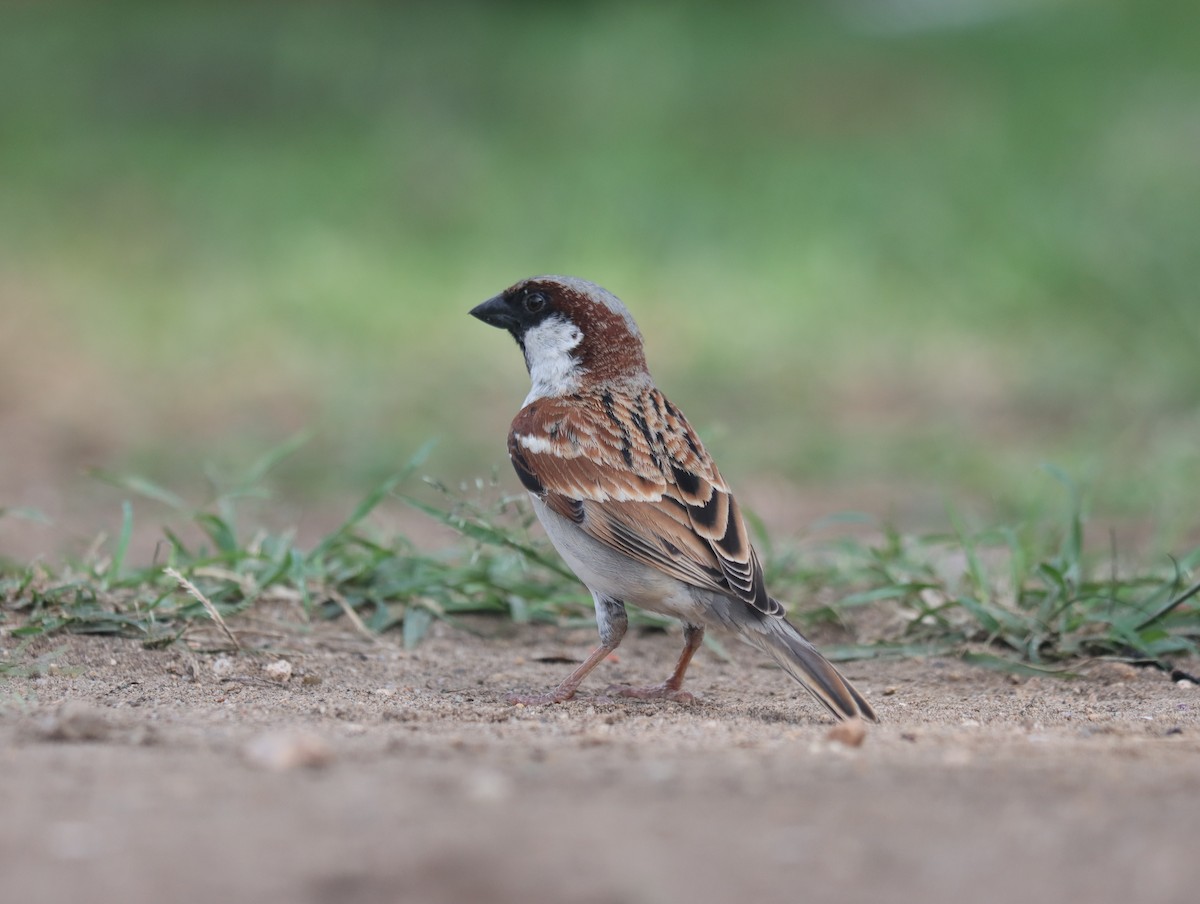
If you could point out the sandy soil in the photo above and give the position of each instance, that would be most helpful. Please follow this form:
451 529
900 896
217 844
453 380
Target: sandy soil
375 774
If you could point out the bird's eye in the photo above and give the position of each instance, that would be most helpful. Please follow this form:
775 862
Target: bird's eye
535 302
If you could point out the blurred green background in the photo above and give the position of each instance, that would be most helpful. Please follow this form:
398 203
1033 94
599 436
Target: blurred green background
885 254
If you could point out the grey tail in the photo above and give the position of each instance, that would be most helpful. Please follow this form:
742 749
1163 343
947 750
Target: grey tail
802 661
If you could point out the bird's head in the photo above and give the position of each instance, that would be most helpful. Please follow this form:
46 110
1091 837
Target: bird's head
574 334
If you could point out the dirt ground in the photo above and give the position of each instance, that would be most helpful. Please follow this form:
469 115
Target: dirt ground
361 772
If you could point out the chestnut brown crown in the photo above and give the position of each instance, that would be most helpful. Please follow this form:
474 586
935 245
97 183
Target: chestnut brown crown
605 342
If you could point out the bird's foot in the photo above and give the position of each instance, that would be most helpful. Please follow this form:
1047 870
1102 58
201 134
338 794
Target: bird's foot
652 692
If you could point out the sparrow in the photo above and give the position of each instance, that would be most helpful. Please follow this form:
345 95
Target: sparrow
629 497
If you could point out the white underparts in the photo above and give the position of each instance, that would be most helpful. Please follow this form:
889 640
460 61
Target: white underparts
553 370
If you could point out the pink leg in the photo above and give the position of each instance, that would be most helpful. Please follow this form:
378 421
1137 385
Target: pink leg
612 621
672 688
566 690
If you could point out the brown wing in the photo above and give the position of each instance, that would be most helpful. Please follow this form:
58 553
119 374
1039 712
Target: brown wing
634 475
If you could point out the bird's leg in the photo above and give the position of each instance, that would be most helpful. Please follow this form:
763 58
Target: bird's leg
612 621
566 690
672 688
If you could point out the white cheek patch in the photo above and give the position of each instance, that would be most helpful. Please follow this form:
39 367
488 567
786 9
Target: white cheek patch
553 370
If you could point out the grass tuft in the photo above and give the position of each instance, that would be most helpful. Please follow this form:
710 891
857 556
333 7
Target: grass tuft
1027 598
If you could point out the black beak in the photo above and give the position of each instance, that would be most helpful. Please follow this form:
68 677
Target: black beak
495 312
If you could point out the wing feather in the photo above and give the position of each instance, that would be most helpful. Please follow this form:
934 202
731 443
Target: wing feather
632 473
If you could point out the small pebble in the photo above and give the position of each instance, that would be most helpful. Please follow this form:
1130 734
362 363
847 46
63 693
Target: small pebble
281 751
223 667
852 733
280 670
1117 671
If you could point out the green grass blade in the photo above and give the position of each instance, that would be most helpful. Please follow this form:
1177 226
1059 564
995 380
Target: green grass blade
270 459
1170 607
25 513
490 534
877 594
417 621
118 560
1013 666
975 568
219 531
142 487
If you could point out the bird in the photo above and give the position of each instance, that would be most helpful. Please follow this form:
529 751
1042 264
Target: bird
630 498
